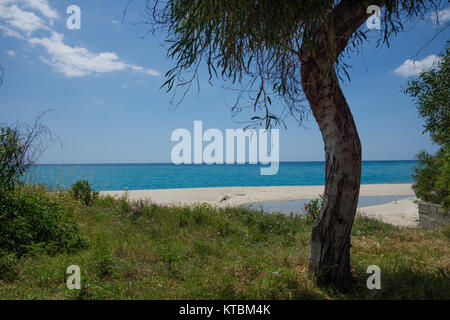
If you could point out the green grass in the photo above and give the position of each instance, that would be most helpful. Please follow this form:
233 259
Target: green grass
233 253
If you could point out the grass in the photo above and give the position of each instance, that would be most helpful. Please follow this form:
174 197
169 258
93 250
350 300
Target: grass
154 252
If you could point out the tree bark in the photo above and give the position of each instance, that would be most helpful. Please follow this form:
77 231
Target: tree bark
329 260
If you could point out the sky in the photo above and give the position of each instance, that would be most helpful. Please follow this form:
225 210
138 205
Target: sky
102 83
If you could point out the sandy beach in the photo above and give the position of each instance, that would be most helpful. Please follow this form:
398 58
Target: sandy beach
402 212
224 196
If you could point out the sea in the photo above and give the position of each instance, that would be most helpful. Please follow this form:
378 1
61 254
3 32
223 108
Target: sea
168 176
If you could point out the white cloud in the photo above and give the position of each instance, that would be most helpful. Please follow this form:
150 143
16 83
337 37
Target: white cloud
152 72
11 33
415 67
42 6
137 68
79 61
11 53
16 18
147 71
442 16
17 22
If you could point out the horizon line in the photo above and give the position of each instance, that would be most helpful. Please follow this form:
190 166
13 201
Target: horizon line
140 163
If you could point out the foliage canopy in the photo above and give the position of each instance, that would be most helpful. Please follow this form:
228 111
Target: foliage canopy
260 45
431 92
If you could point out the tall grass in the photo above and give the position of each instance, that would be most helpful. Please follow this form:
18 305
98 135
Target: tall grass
145 251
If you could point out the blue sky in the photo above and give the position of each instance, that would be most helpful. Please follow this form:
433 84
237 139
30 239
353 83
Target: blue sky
103 81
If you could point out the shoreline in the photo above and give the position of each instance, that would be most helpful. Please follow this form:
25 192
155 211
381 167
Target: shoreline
236 196
402 212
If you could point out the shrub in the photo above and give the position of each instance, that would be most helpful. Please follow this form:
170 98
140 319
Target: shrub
433 177
8 262
432 95
313 207
124 205
104 263
30 219
82 191
10 154
20 146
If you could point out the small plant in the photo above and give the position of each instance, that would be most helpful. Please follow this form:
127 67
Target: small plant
313 207
8 262
124 203
104 263
139 205
82 191
30 219
137 209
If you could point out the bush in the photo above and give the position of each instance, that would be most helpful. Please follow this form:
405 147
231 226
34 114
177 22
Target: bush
8 262
313 207
433 177
20 146
30 219
432 95
82 191
10 154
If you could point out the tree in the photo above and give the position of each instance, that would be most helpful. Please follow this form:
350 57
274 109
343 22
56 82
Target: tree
20 147
431 93
290 50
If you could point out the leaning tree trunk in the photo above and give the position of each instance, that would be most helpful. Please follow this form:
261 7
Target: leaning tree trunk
329 260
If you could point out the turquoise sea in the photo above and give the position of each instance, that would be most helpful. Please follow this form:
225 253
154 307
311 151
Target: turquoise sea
166 176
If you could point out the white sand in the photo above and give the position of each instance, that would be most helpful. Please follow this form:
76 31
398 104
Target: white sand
224 196
403 212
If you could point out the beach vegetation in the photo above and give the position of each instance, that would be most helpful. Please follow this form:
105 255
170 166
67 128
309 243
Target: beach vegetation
313 207
82 191
20 146
431 93
432 177
206 252
10 153
31 219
